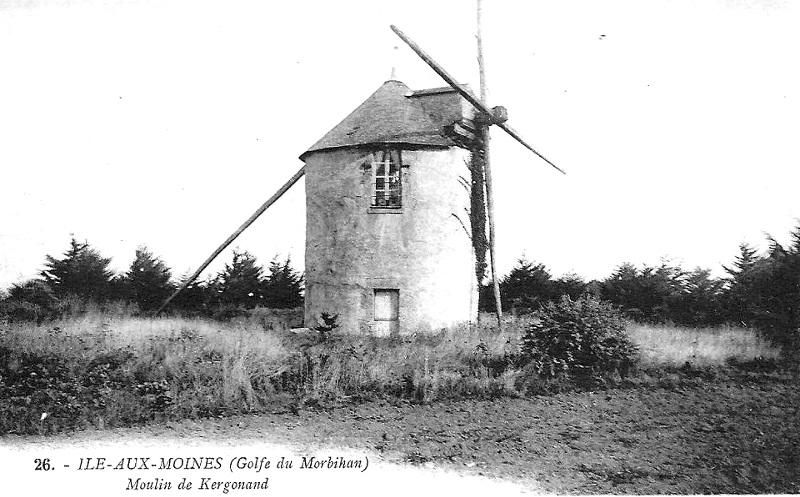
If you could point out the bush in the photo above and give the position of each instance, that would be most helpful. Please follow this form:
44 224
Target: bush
33 386
581 338
32 300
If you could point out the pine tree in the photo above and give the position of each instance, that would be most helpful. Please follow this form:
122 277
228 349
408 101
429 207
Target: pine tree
765 291
741 298
82 272
700 302
665 287
527 286
570 284
648 294
147 282
778 285
240 283
283 286
623 289
198 298
745 261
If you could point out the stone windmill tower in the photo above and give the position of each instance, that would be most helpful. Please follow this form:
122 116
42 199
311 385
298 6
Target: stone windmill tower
386 215
388 203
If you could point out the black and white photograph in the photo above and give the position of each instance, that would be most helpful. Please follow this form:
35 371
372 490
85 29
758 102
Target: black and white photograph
443 247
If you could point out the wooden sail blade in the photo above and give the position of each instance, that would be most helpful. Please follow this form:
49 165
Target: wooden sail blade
468 95
508 129
299 174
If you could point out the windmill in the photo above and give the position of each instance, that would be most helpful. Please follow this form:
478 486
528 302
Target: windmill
485 118
397 153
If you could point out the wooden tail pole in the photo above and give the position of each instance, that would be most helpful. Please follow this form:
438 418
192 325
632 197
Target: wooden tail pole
487 171
299 174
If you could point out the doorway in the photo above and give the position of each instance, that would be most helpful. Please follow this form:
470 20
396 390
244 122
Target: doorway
387 311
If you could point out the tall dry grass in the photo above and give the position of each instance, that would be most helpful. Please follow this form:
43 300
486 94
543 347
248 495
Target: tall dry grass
101 369
108 369
674 346
460 361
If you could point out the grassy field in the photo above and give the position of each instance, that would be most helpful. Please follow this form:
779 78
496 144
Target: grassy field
705 411
102 370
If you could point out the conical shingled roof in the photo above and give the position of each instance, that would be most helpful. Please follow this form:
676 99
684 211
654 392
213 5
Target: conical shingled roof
390 115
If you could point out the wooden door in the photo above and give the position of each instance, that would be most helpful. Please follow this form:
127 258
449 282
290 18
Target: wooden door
387 311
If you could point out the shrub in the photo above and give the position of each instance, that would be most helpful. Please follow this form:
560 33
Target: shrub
32 300
581 338
33 386
327 322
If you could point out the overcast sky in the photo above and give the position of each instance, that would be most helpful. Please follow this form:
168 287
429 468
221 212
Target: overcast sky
167 123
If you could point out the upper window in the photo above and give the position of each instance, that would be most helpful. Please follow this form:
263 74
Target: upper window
386 192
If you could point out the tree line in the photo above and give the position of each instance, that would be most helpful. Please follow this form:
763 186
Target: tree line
758 290
82 276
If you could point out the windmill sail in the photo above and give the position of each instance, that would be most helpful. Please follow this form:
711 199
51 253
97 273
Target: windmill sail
484 119
468 95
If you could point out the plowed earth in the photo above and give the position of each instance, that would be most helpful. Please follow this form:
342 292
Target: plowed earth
734 434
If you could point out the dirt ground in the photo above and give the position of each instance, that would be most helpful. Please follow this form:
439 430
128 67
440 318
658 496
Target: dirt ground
685 435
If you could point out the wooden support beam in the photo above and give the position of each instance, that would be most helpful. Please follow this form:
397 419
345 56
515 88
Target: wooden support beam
487 174
299 174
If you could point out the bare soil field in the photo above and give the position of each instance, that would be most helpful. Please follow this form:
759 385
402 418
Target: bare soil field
710 431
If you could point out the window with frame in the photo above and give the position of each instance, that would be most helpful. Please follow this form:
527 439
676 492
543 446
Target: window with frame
386 185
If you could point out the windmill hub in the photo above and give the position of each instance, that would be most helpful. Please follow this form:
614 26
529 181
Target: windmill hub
499 115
